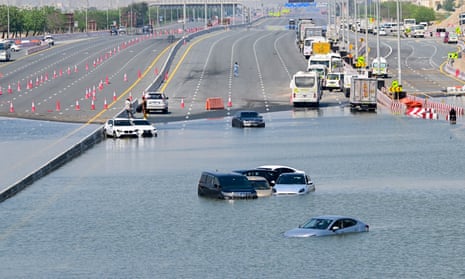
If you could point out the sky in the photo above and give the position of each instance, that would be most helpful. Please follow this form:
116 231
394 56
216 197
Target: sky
113 4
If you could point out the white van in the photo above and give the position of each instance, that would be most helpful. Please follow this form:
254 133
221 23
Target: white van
305 89
334 81
379 67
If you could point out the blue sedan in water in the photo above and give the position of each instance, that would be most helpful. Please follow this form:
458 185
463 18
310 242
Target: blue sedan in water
328 225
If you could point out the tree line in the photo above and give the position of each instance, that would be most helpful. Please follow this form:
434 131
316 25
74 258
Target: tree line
36 21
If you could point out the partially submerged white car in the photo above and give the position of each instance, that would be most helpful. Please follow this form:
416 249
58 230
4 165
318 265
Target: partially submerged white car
144 128
120 127
129 127
327 225
292 184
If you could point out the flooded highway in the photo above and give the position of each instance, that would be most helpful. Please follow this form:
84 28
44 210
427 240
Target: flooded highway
129 207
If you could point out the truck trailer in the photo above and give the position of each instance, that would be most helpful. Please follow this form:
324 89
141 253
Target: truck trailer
363 94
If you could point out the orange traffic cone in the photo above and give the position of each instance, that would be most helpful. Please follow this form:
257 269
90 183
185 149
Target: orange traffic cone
33 107
77 107
125 77
229 102
182 103
92 105
57 106
139 74
19 87
130 96
12 108
9 89
105 105
114 96
107 81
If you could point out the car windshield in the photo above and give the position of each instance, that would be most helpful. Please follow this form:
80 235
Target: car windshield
382 65
249 114
291 179
317 224
122 122
333 76
155 96
140 122
234 182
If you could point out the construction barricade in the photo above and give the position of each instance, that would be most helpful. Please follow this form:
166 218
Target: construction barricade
214 103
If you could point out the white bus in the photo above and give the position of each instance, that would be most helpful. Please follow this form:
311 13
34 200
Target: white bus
305 89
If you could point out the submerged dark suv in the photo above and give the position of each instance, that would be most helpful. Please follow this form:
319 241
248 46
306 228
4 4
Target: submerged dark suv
225 186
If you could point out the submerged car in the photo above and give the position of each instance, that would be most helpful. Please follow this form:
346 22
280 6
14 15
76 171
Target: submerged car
269 175
247 118
120 127
225 186
261 186
144 128
291 184
279 169
327 225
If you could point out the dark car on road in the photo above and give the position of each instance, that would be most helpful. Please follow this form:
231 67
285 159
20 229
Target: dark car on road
247 118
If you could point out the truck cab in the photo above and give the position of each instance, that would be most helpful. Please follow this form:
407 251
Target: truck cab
379 67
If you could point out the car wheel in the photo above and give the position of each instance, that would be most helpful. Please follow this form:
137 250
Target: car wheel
165 111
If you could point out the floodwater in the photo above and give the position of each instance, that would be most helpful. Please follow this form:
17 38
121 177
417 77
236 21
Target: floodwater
128 208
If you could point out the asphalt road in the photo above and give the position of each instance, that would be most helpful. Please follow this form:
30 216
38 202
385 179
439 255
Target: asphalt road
203 68
52 84
421 63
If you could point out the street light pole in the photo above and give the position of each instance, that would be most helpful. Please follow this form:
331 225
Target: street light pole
399 70
377 34
8 15
87 7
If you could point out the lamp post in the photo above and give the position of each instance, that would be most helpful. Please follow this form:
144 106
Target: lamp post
356 29
399 70
8 16
366 31
377 34
87 7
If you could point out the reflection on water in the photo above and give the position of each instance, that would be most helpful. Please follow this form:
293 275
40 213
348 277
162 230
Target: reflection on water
129 207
